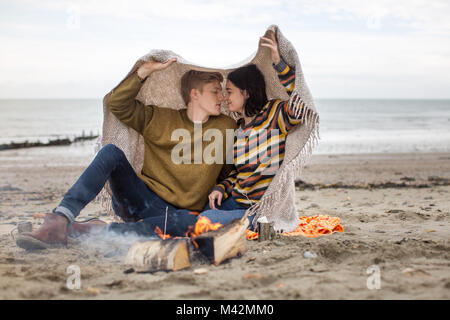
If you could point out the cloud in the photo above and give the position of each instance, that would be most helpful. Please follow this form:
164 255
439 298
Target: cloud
252 11
346 48
373 65
418 15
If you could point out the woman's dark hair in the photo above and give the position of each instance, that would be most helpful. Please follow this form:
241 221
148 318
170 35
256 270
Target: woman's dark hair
251 79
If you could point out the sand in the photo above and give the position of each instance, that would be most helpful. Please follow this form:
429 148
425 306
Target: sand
400 233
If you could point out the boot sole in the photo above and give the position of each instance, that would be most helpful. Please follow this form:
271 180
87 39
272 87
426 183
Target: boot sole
29 243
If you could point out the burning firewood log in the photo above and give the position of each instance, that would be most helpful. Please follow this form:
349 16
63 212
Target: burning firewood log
224 243
156 255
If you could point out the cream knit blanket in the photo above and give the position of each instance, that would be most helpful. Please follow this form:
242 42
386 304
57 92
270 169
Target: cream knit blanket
163 89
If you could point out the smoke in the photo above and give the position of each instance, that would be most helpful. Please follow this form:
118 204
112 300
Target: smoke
110 244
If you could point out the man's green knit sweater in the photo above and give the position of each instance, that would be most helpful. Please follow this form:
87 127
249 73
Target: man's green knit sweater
185 185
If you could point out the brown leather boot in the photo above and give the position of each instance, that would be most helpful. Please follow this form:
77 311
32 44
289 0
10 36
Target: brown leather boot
90 226
52 233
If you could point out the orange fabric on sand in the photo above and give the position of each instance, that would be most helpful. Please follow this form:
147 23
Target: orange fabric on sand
252 235
310 227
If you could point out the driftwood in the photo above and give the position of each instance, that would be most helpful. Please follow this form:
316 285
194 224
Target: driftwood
156 255
224 243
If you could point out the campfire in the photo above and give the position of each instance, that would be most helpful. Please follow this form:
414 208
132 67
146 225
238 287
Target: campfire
214 241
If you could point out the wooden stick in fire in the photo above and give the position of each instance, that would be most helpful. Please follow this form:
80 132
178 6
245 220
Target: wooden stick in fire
165 225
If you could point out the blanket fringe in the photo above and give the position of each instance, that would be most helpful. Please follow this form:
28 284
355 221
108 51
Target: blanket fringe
296 165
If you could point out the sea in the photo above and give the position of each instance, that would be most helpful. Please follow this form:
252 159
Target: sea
346 126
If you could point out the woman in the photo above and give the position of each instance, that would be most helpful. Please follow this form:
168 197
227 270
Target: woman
260 139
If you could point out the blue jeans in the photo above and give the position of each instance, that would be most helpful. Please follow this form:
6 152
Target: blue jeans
228 211
132 200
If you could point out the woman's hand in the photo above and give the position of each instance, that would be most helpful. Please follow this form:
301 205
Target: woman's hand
151 66
213 196
270 41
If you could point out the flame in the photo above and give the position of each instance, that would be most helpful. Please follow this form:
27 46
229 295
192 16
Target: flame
161 234
195 244
190 232
203 225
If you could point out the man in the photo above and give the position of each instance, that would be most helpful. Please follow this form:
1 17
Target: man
163 185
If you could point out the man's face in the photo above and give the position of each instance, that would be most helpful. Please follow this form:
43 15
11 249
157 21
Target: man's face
210 98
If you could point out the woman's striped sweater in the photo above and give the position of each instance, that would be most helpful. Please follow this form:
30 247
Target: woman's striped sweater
260 145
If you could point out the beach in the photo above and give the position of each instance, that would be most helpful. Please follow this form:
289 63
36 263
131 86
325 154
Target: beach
394 208
357 95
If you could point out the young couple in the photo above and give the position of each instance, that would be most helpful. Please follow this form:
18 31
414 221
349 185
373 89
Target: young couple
168 194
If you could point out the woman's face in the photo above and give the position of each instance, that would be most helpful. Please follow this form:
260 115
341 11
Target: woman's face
235 97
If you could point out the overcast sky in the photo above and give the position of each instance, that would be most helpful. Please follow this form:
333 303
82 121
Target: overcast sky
348 48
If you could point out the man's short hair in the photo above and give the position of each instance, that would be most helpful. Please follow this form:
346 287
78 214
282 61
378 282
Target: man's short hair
197 79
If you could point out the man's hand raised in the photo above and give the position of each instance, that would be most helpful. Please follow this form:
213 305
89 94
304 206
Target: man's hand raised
151 66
